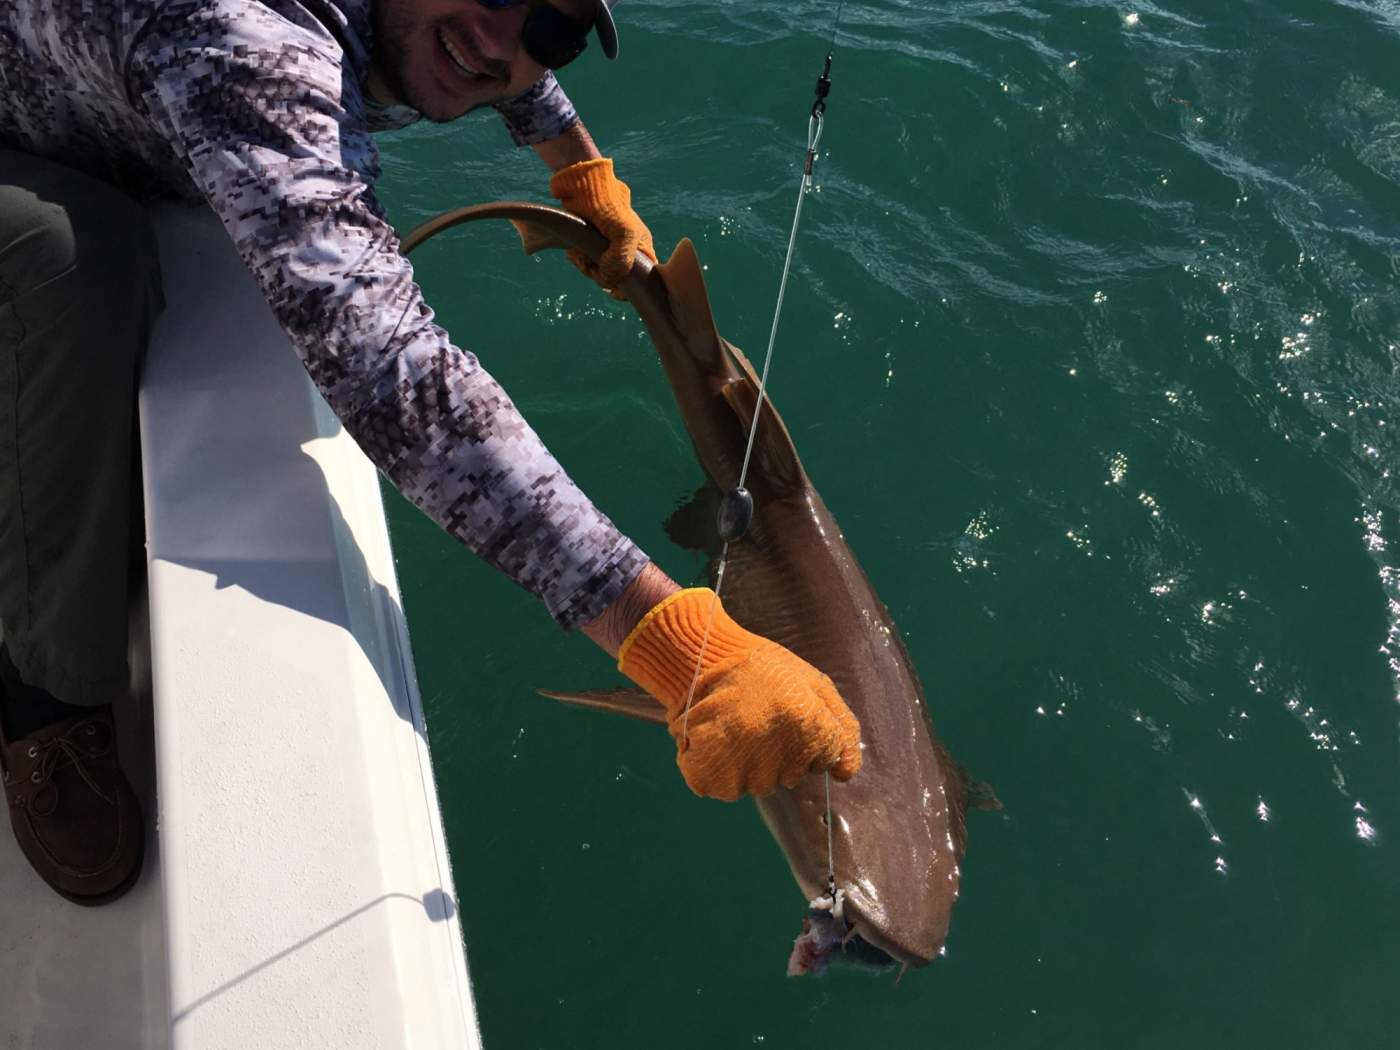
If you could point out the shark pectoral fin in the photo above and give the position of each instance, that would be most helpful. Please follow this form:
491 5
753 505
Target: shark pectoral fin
962 793
773 450
693 524
536 238
634 703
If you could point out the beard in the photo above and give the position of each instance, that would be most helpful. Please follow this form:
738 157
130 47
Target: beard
394 32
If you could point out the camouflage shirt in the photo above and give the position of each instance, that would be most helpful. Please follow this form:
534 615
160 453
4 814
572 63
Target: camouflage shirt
260 108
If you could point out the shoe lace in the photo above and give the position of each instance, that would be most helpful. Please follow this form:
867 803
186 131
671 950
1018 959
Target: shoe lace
64 750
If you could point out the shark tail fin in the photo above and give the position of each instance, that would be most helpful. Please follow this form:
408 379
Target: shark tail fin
536 238
538 226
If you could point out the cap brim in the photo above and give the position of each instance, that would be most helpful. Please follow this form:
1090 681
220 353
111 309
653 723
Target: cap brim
607 29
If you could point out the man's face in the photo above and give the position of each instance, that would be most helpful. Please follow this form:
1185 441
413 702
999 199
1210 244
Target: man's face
422 46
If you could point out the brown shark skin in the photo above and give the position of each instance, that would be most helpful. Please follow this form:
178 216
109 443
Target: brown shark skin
898 831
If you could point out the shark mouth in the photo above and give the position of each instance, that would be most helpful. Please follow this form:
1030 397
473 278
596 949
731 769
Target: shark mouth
827 938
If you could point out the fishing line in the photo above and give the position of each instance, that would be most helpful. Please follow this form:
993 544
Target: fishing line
736 510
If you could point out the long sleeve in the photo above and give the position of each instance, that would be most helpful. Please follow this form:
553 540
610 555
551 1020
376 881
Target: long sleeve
261 111
540 113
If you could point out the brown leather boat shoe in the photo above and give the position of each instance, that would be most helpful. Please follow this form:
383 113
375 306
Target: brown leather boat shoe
75 816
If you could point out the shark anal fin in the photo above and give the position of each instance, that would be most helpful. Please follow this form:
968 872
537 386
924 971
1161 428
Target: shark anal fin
634 703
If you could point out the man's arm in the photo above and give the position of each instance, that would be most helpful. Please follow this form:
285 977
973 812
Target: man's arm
291 182
611 629
574 145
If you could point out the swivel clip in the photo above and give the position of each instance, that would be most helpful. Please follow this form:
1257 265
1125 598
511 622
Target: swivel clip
823 89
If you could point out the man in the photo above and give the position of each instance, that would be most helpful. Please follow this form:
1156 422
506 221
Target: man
263 109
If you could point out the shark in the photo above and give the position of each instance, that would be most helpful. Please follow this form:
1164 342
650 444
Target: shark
896 836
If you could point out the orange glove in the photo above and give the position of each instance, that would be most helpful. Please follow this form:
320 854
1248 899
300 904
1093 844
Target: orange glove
761 716
591 191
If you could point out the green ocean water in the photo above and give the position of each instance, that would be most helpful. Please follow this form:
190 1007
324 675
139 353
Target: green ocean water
1091 347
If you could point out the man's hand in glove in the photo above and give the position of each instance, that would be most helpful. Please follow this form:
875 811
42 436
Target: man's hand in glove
590 190
761 717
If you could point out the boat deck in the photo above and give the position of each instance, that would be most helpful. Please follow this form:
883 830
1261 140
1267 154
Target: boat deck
90 977
297 890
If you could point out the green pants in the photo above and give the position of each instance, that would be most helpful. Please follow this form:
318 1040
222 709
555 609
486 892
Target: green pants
79 291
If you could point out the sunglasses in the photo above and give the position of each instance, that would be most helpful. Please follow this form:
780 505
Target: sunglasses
549 36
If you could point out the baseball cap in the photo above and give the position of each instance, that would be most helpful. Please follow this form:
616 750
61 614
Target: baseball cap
606 27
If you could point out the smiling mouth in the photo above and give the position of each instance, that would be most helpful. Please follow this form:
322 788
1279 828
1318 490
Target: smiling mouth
464 67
